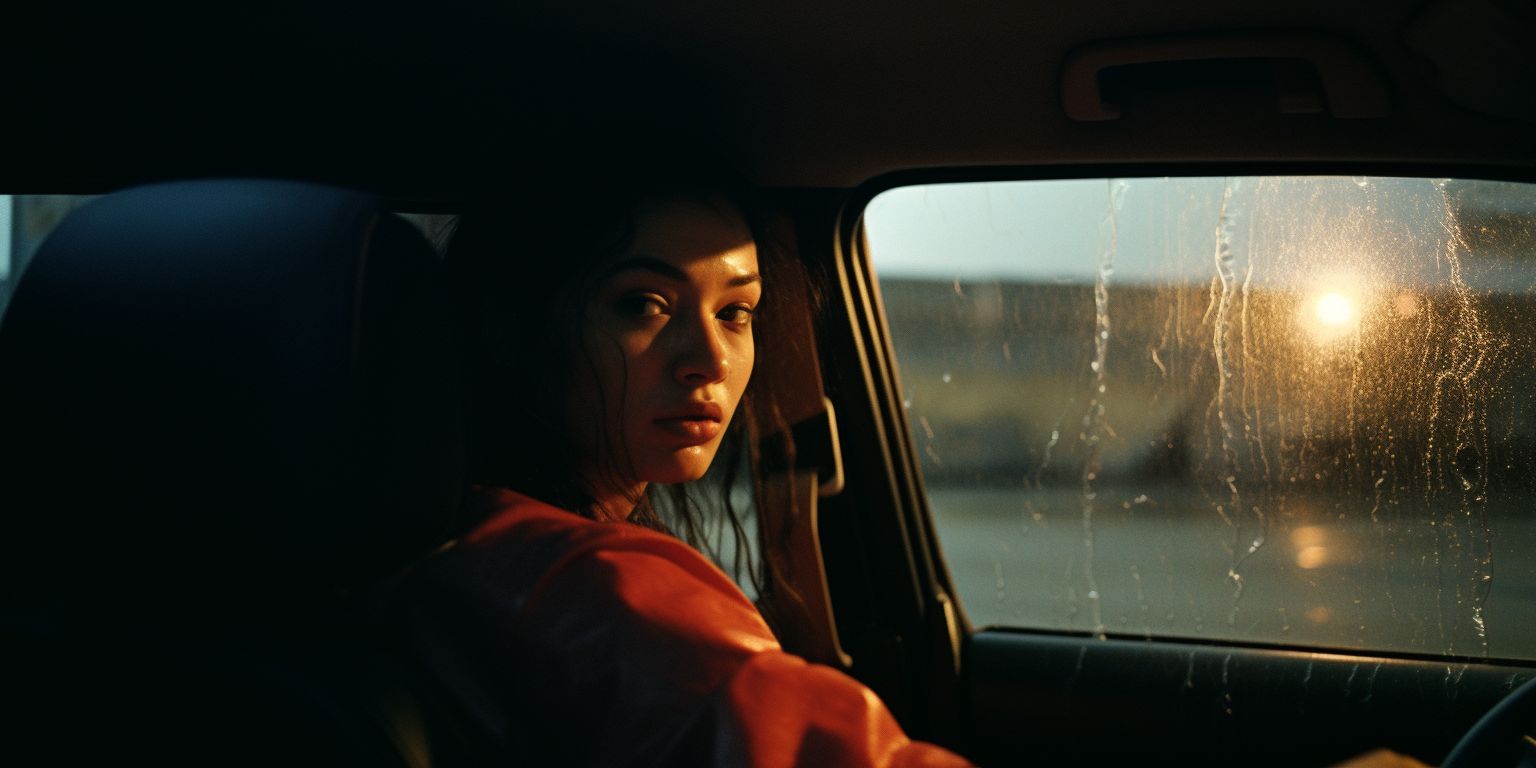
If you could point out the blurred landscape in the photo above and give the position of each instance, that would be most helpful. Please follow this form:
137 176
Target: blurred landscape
1300 414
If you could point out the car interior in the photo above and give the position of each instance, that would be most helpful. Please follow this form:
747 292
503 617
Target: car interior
281 429
1158 380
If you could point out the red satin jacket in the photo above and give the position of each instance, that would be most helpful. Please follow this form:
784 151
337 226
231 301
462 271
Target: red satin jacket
559 639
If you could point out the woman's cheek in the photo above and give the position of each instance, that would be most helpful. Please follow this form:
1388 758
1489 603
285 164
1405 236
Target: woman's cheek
741 373
747 357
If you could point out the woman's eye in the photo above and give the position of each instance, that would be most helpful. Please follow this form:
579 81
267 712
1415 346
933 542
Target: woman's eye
642 305
737 315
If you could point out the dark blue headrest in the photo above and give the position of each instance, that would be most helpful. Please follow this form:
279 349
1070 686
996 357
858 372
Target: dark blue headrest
246 384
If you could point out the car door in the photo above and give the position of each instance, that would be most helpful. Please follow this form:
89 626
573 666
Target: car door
1199 466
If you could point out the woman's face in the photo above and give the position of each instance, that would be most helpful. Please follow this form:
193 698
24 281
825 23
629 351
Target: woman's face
668 339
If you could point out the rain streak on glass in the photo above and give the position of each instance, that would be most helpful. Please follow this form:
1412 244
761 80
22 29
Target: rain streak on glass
1296 410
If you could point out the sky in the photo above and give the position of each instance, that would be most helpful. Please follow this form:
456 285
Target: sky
1278 232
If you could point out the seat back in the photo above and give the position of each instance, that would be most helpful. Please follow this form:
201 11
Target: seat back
230 405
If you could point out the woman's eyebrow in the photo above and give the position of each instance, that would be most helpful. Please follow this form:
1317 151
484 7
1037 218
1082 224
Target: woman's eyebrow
653 264
647 264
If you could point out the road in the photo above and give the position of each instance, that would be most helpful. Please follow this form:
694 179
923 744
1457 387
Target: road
1418 578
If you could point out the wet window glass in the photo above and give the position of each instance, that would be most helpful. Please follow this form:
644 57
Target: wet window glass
1298 410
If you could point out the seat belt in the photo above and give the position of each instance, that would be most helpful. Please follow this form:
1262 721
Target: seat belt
800 462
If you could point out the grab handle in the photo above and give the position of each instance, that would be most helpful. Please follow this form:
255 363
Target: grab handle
1351 85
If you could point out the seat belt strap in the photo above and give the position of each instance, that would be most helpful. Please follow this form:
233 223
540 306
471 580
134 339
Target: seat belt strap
800 462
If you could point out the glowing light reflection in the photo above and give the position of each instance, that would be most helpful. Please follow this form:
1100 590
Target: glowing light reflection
1311 543
1335 309
1312 557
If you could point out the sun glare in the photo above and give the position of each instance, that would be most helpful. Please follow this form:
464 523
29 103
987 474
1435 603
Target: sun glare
1334 310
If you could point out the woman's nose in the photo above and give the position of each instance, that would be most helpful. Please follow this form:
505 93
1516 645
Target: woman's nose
701 356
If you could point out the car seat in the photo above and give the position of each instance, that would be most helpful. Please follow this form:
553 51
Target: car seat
230 407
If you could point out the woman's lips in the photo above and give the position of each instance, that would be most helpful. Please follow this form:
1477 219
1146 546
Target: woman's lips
693 429
696 423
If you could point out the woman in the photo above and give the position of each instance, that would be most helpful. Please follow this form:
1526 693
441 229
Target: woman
616 347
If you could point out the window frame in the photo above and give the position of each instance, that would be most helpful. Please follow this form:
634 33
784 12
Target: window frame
935 639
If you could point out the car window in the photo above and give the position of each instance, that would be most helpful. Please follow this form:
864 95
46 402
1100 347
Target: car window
25 221
5 237
1294 410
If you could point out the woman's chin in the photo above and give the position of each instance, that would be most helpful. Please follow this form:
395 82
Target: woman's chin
685 466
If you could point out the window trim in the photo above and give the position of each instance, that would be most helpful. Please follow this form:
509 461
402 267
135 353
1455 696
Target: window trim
866 309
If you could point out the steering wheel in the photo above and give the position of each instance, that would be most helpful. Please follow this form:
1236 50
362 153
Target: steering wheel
1503 737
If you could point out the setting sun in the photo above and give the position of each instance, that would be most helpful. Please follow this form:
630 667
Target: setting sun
1335 307
1335 310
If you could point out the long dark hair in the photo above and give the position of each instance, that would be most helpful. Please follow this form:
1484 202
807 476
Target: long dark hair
526 266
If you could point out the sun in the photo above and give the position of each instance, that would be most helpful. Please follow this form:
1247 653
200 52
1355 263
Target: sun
1334 310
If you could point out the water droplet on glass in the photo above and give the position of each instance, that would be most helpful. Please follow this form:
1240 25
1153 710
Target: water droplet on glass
1117 190
947 378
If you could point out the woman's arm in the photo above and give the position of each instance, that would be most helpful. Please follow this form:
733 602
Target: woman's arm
657 656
